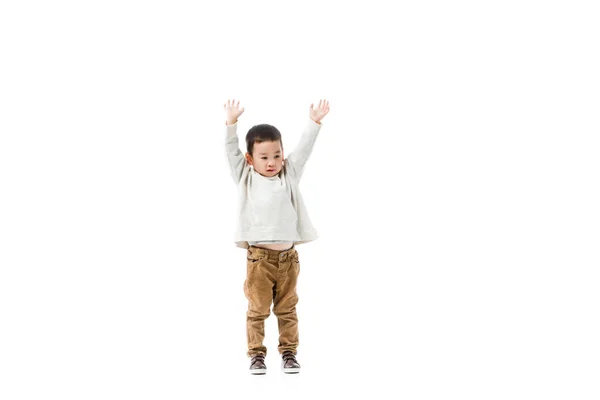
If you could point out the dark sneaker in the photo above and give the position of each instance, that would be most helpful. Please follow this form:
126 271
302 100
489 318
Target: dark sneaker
257 365
289 363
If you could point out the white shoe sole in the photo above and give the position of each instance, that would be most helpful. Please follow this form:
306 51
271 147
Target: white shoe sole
258 371
291 370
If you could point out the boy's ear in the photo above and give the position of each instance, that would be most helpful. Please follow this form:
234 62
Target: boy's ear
249 158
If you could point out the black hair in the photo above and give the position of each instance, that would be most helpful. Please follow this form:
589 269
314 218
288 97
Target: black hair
262 133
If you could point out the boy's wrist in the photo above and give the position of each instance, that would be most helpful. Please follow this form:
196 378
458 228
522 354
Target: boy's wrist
228 122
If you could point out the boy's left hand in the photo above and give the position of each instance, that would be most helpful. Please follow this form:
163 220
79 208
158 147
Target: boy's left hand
317 114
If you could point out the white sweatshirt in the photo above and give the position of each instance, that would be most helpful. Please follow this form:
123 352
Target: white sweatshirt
271 208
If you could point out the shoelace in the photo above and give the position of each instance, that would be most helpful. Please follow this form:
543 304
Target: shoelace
257 358
289 356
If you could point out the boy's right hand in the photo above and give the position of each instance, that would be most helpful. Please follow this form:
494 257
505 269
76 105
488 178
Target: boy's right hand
232 112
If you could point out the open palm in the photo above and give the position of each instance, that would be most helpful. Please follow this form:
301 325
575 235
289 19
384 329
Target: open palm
317 114
232 110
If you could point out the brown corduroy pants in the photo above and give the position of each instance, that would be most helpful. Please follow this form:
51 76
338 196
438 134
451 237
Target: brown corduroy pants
271 277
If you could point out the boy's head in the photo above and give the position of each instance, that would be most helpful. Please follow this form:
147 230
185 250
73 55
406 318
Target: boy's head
265 149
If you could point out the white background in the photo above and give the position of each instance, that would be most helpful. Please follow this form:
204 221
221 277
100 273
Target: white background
454 186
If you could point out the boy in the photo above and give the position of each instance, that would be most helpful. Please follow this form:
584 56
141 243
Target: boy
272 220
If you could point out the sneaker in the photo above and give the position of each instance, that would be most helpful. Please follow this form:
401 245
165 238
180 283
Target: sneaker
289 363
257 365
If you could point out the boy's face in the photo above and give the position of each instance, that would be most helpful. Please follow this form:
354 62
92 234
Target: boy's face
267 158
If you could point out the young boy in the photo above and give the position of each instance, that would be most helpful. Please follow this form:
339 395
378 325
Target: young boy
272 220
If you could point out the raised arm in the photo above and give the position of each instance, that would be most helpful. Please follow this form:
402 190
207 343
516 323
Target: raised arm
236 159
300 155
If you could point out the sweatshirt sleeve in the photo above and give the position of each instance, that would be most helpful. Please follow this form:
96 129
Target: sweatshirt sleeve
235 158
298 157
